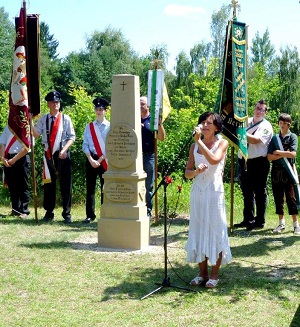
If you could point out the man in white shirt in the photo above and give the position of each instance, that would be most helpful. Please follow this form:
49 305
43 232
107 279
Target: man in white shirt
254 172
16 164
58 135
94 148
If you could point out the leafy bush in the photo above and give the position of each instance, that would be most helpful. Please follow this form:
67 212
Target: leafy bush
172 153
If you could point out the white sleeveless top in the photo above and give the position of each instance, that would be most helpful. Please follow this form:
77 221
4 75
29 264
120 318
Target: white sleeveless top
213 174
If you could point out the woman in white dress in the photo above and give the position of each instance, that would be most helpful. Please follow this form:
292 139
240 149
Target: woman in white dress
208 237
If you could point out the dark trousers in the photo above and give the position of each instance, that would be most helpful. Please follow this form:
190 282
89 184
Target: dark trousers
61 171
253 177
149 168
17 181
91 175
282 185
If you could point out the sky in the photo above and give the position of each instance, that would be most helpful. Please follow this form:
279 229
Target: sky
178 24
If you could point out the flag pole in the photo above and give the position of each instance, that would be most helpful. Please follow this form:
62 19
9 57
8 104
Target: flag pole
234 4
34 191
156 220
155 97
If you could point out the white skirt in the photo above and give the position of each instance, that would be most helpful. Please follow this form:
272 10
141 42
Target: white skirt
208 234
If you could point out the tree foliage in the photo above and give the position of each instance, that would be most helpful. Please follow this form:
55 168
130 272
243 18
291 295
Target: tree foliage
7 35
108 53
219 21
192 87
261 85
289 79
200 57
49 62
48 42
263 52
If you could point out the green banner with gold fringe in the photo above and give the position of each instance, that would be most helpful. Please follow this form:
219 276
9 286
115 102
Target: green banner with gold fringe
232 102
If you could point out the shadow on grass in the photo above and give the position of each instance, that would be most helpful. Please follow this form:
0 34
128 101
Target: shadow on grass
263 246
296 320
75 226
237 279
10 220
236 283
176 221
55 245
149 281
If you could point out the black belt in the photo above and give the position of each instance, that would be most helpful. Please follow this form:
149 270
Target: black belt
56 153
94 156
11 155
258 158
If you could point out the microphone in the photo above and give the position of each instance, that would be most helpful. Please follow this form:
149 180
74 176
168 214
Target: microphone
200 126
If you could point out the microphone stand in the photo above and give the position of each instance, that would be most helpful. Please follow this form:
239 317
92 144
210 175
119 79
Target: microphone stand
166 280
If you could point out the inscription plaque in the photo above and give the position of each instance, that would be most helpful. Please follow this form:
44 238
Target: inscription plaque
119 192
121 146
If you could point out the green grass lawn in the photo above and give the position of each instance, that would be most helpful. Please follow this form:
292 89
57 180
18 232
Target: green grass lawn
56 275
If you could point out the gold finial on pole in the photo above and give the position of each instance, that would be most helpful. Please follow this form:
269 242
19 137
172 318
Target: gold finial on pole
235 4
156 61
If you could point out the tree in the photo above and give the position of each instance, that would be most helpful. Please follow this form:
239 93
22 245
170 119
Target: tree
183 71
219 21
71 72
48 42
261 85
289 80
263 51
49 63
7 37
200 56
107 53
141 68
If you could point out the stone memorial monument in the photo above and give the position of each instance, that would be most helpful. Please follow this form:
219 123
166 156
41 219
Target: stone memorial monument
124 222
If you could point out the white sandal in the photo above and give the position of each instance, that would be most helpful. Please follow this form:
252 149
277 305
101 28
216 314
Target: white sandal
198 280
211 283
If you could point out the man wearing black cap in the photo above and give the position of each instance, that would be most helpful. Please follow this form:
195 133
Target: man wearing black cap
57 136
94 148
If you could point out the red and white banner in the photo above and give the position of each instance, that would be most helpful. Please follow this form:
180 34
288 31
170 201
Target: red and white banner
18 96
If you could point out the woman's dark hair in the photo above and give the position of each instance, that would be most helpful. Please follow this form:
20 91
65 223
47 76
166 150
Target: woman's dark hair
217 121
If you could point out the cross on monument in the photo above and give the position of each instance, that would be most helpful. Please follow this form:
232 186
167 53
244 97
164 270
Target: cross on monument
123 84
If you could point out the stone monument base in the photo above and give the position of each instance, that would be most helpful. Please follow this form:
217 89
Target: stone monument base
124 233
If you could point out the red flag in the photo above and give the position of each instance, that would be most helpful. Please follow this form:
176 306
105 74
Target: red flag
18 98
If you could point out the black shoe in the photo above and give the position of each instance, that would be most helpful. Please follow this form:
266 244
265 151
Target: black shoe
88 220
68 220
49 216
254 225
14 213
240 225
21 215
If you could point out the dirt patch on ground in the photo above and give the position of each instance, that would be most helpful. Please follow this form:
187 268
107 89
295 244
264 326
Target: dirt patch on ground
90 242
